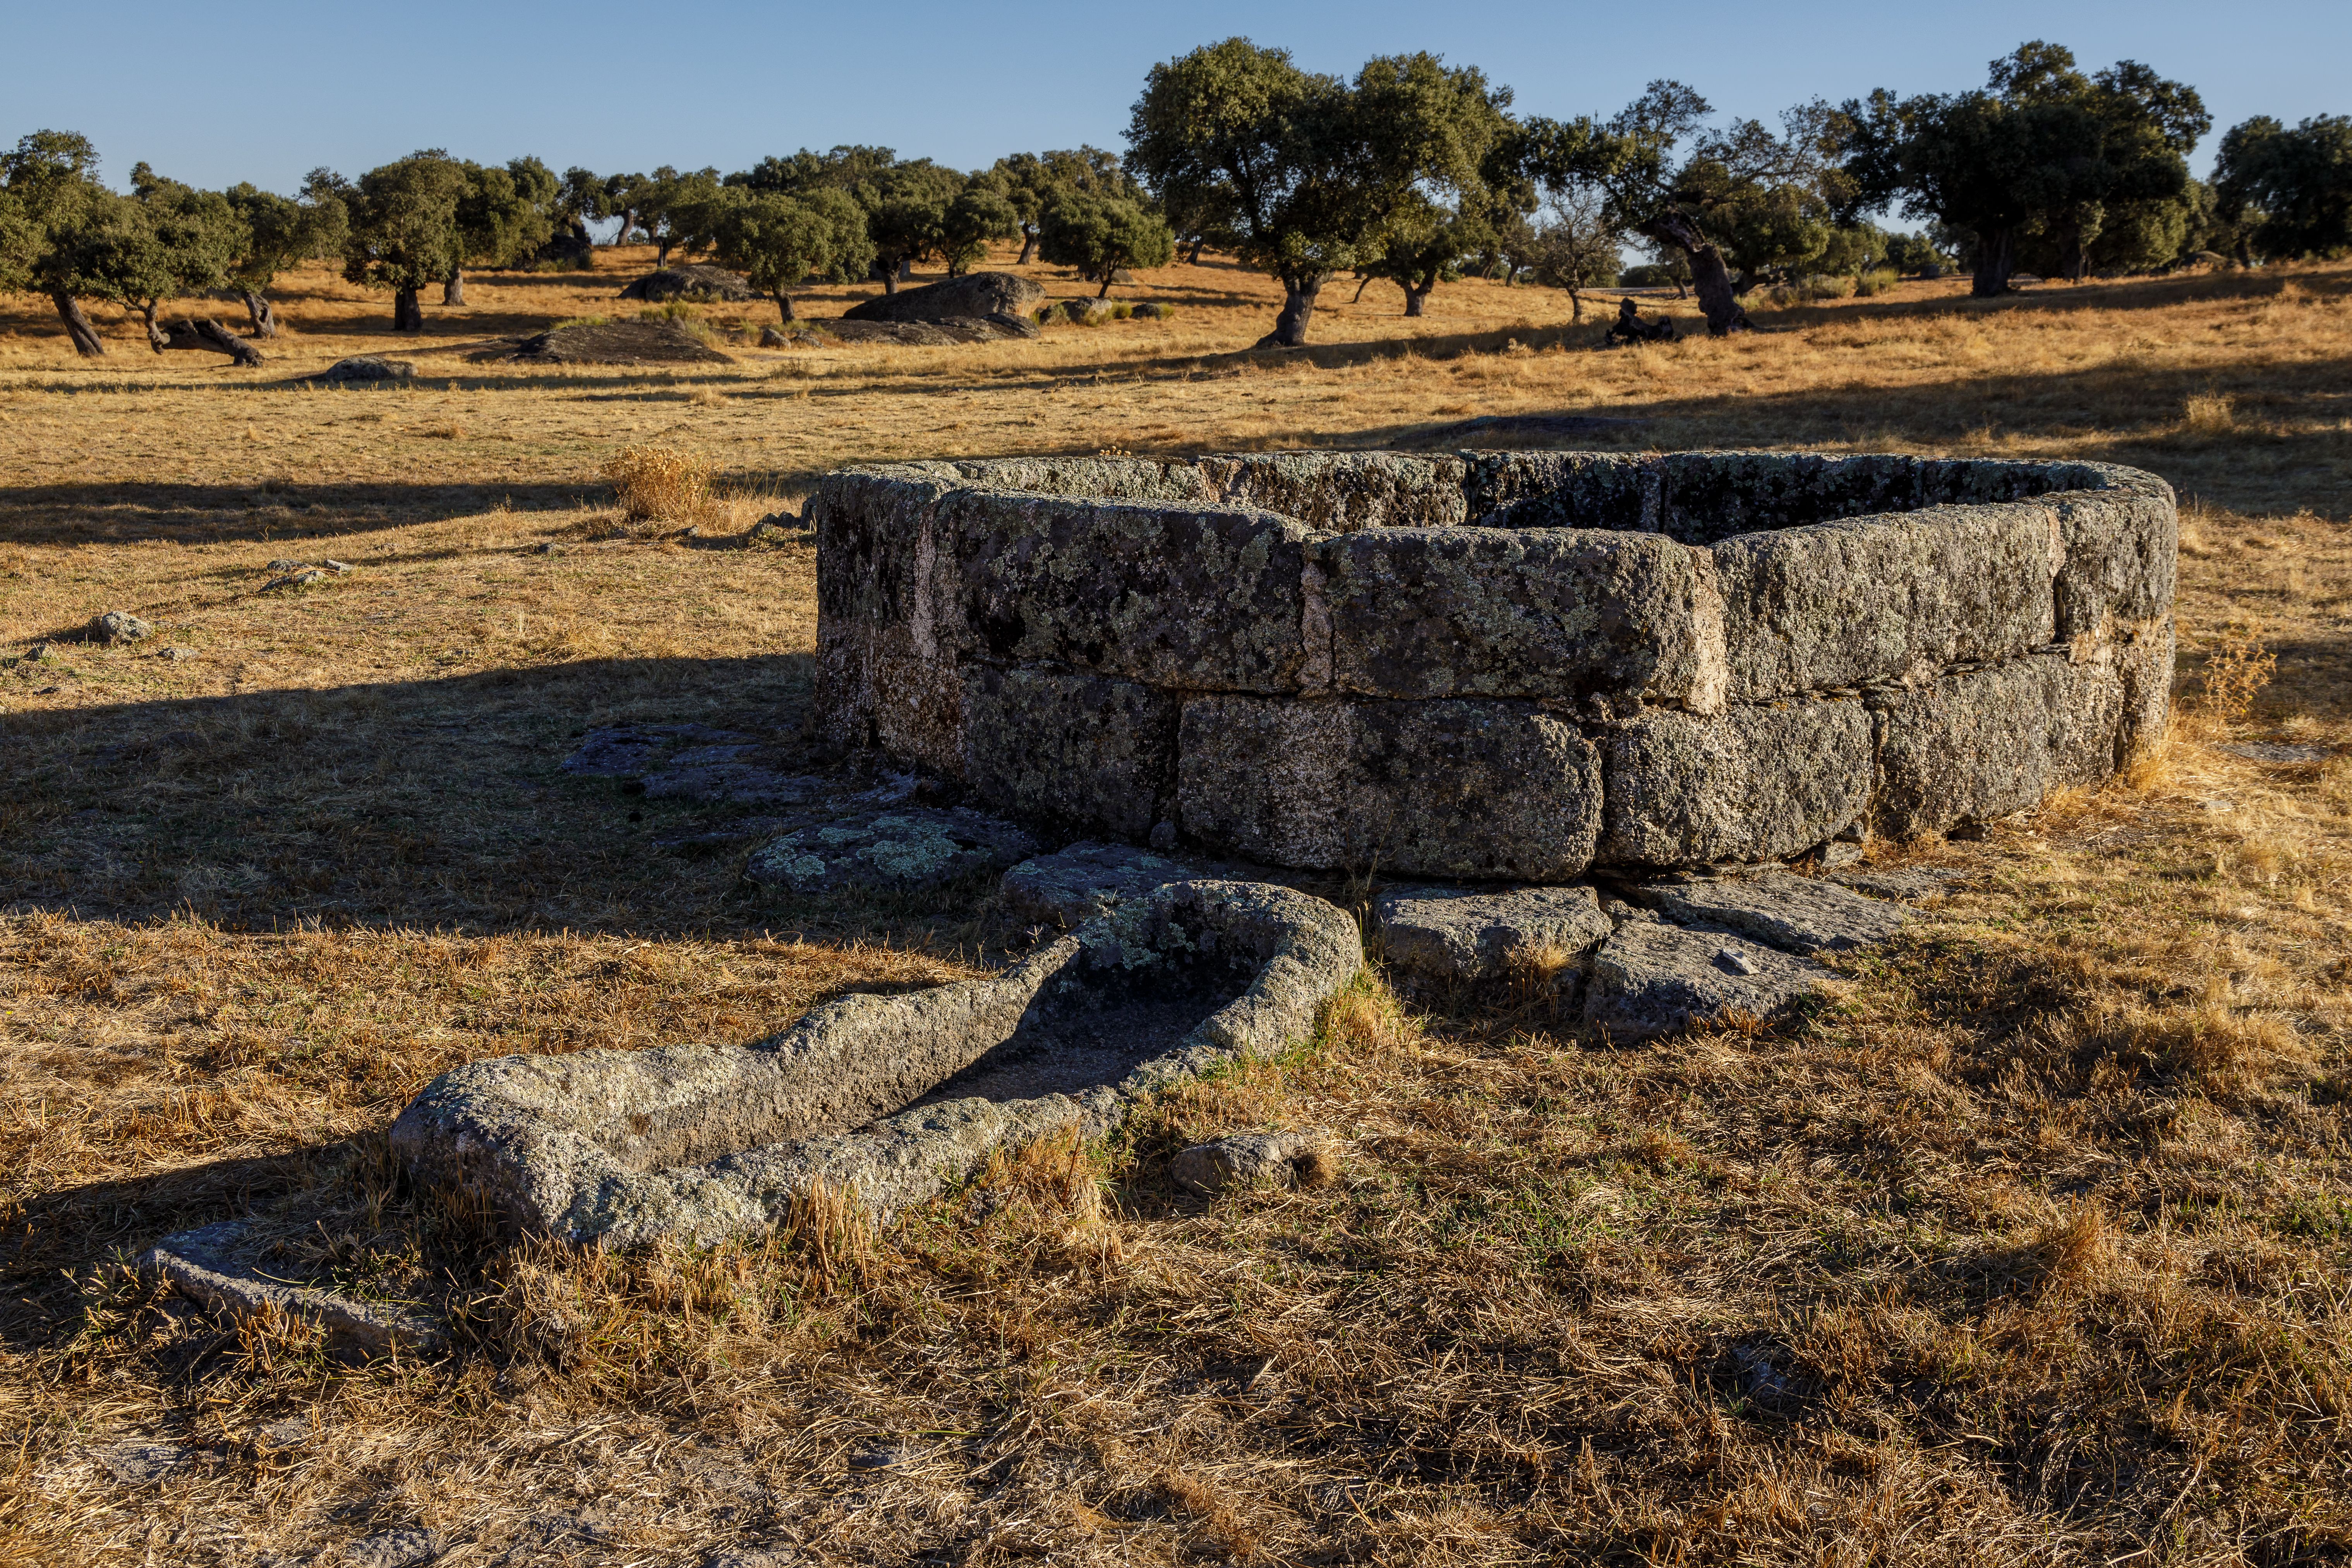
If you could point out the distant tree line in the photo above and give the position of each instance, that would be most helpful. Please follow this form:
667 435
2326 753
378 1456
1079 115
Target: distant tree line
1411 173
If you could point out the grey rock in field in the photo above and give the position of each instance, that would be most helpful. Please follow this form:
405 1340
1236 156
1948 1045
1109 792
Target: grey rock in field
1472 933
393 1549
362 368
775 338
1243 1160
690 281
1086 879
118 627
886 1096
219 1266
1798 914
338 567
900 849
1086 312
1652 979
141 1461
973 294
2278 753
1150 311
301 579
633 750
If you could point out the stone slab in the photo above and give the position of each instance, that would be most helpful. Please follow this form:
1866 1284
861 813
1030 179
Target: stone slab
1983 743
883 1095
1526 613
1780 908
1086 879
1846 604
217 1265
1082 751
1900 884
1481 790
899 850
1651 979
1752 784
1201 598
1244 1160
1472 933
2122 546
1341 493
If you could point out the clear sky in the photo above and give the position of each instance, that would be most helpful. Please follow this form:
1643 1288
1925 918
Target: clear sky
265 89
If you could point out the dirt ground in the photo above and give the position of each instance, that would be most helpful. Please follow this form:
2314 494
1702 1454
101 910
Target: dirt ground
2031 1247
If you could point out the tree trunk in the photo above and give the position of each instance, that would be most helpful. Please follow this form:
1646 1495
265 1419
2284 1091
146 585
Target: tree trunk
1415 298
890 277
1198 245
661 252
408 315
1109 273
1297 310
1717 299
784 303
156 338
1995 260
209 336
1028 246
1575 304
453 288
257 311
78 327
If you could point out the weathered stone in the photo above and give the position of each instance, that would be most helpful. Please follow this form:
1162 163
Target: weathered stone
1096 478
1341 493
1473 933
1086 751
691 280
1488 790
118 627
1152 311
141 1461
1901 884
362 368
899 850
2121 548
1974 746
1085 880
1205 598
1843 604
2144 659
1243 1160
1535 612
393 1549
221 1266
1654 979
1752 784
973 294
1085 313
1799 914
612 342
886 1096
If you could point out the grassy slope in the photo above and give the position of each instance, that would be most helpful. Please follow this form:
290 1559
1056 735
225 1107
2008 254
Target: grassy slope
2030 1248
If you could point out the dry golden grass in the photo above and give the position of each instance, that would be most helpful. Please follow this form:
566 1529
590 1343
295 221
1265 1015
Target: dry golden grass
2031 1248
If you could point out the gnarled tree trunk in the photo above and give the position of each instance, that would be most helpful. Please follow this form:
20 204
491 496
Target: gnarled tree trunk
1197 247
1297 310
1995 260
408 315
208 335
453 288
1717 299
1414 298
78 327
784 303
257 311
1028 246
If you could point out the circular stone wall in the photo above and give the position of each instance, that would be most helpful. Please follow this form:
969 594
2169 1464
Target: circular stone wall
1502 665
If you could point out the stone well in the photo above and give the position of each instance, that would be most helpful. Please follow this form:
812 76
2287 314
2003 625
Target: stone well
1498 665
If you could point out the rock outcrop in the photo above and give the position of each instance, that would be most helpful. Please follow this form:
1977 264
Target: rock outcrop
973 294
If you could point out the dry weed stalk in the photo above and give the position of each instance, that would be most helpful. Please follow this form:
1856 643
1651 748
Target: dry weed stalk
2237 668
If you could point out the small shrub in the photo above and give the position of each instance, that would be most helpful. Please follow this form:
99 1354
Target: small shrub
659 482
1871 284
672 311
1121 313
2211 414
2235 672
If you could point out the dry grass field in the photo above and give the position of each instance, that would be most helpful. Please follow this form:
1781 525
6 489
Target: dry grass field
2032 1248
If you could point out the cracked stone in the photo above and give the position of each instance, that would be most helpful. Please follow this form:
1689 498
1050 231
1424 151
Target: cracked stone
1800 914
1471 934
1651 979
901 850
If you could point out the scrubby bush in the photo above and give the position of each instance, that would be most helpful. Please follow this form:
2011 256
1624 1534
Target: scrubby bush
659 482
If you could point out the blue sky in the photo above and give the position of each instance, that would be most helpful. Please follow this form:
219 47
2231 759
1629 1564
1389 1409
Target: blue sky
266 92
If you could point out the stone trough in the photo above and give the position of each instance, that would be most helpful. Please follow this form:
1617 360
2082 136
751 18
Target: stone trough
1498 666
887 1097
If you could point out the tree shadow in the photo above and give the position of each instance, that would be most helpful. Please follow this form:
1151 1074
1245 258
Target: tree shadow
266 511
422 805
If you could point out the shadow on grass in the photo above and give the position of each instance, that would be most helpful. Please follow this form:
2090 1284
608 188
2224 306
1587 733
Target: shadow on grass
264 512
419 805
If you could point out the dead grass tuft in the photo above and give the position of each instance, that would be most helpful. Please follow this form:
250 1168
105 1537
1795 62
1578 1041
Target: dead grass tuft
655 483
